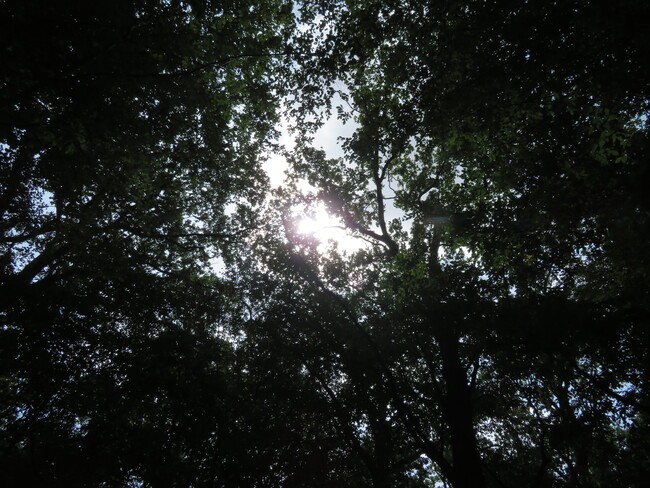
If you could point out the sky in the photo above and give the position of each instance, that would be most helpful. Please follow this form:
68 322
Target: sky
323 226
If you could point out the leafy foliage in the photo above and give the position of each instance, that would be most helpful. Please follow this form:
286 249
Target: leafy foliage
504 345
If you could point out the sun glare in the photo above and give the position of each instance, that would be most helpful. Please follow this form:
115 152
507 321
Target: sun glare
320 223
325 228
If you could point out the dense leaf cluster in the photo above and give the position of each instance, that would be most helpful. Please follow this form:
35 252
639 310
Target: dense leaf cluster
164 323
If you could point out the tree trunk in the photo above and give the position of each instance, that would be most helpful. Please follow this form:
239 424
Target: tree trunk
467 465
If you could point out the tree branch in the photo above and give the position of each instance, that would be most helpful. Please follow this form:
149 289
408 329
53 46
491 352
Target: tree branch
378 179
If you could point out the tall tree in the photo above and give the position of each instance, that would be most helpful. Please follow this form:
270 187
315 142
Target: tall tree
132 135
510 345
493 331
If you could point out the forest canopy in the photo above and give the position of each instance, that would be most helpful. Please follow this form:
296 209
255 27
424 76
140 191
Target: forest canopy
167 321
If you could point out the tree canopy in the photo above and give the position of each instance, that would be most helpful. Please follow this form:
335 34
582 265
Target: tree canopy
166 323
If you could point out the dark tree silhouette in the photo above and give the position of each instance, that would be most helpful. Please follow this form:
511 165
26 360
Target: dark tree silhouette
491 332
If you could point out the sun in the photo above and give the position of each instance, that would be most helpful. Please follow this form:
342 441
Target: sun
325 228
321 222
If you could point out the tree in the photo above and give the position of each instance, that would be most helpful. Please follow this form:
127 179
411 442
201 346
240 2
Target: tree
507 347
520 355
131 137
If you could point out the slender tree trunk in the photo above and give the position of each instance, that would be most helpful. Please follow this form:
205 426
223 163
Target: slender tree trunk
467 465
